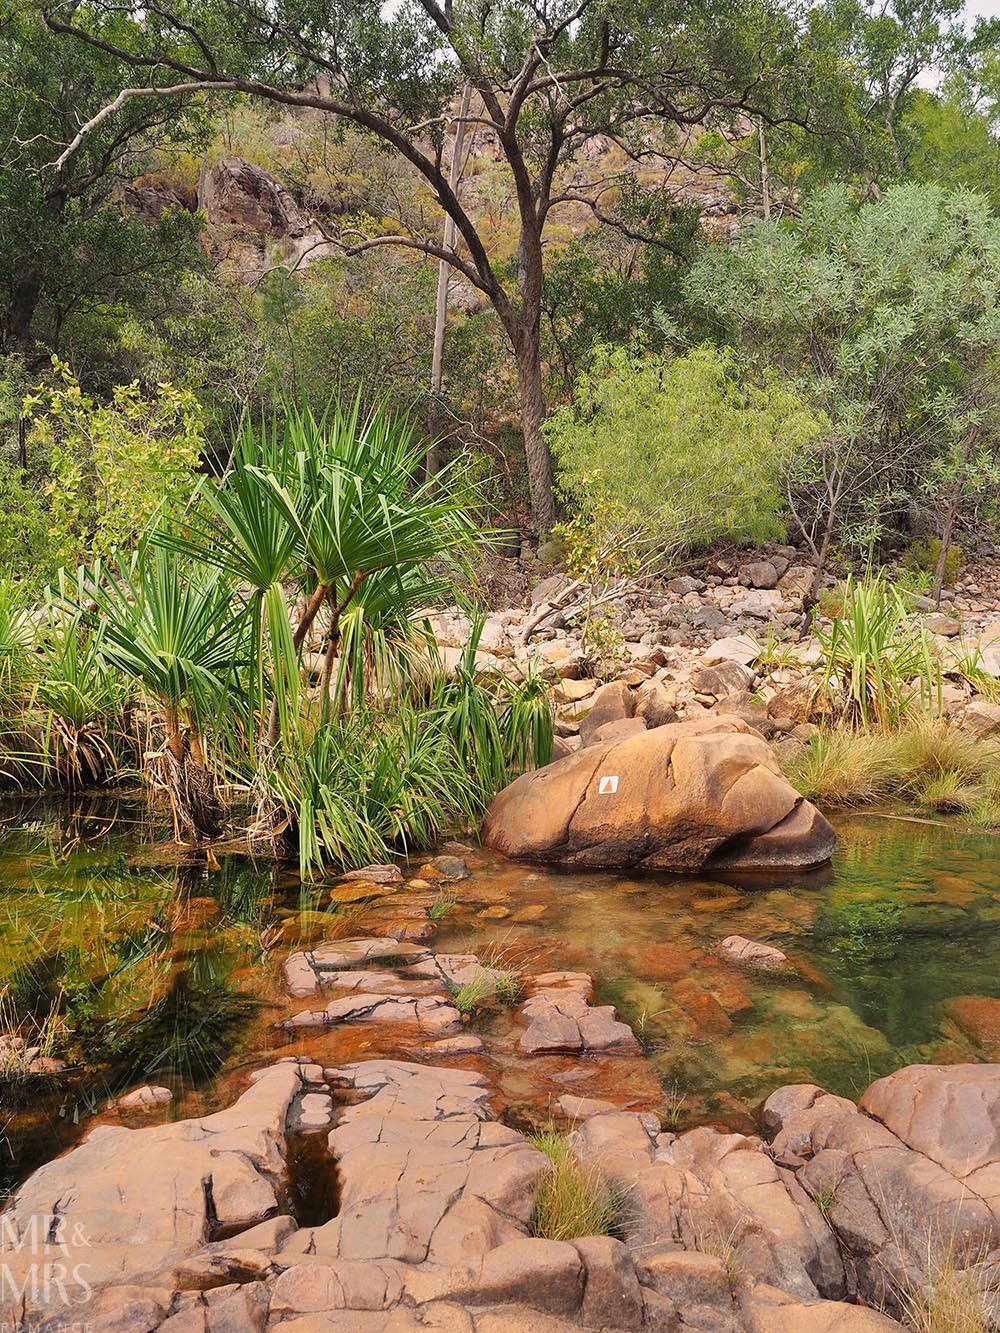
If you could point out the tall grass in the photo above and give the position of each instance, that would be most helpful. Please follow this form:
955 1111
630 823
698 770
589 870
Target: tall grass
368 787
924 761
573 1198
500 726
879 662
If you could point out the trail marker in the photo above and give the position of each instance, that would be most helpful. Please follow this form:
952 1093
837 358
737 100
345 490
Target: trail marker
607 786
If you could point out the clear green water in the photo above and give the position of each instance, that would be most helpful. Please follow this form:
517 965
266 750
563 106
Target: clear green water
143 969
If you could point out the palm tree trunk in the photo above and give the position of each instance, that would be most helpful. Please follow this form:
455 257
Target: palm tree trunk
298 639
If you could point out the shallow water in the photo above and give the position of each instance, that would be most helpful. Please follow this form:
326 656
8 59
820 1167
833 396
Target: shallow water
144 970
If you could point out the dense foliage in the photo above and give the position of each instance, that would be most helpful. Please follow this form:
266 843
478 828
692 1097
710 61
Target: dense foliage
735 271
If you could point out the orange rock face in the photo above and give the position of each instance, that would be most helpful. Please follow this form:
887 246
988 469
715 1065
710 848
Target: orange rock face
702 793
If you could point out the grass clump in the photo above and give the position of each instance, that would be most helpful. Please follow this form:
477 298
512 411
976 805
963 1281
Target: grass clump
723 1246
442 905
573 1199
507 988
925 761
845 768
471 997
956 1293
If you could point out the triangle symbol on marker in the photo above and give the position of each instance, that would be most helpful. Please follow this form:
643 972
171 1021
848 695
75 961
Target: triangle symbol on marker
606 787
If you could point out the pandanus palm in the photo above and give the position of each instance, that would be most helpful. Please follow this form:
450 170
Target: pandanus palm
172 627
327 502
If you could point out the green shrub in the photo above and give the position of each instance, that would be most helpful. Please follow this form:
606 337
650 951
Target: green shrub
660 454
921 557
363 788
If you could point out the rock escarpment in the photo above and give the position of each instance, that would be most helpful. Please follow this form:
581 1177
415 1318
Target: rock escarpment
910 1177
707 793
433 1227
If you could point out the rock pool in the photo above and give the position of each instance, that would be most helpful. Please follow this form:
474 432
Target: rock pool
141 965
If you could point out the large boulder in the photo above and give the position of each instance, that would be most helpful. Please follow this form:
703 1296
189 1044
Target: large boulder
707 792
909 1178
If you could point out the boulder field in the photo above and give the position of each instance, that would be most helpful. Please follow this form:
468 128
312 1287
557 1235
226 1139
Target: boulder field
702 794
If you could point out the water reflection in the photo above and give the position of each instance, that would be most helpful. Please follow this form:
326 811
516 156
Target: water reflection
133 964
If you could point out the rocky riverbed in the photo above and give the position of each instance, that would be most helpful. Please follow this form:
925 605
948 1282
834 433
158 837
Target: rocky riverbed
726 636
385 1191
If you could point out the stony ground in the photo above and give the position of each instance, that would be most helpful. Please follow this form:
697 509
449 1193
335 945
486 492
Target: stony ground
727 635
376 1180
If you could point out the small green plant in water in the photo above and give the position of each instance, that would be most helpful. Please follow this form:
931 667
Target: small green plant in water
471 997
507 988
442 905
573 1198
676 1101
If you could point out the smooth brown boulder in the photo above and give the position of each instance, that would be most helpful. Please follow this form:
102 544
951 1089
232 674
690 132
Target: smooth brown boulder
707 792
613 702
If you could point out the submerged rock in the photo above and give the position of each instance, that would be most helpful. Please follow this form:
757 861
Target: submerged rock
743 950
703 793
145 1098
560 1018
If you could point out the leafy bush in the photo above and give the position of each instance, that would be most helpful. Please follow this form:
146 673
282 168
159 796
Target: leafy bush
112 466
921 557
664 454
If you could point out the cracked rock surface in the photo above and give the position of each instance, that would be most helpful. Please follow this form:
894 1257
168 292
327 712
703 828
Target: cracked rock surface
910 1176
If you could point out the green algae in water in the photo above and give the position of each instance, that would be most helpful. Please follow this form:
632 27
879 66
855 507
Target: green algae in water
145 969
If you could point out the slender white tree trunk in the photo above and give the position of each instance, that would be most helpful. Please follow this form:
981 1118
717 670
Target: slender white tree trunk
444 275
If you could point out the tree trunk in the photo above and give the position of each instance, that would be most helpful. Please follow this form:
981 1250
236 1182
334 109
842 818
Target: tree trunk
951 513
812 594
947 530
194 801
24 299
536 449
765 176
433 462
298 638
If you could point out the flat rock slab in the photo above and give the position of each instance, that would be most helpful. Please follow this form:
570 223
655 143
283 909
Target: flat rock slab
432 1013
380 874
559 1018
306 970
142 1200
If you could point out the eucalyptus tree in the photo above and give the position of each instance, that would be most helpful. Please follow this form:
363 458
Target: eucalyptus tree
888 315
548 82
